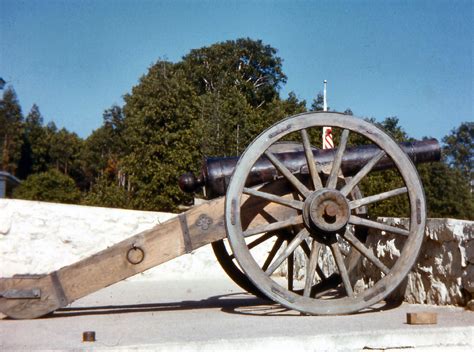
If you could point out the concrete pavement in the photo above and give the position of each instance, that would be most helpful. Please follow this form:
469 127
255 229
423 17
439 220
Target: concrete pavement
216 315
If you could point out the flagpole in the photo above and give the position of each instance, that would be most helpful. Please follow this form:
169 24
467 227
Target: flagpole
325 105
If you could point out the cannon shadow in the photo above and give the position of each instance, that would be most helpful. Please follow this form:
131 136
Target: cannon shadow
240 303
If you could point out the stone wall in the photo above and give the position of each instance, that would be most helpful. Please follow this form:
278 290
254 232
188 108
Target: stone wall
40 237
444 273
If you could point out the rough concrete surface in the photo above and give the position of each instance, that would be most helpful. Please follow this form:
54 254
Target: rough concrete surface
215 315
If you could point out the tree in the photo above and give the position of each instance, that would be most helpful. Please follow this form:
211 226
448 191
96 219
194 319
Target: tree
447 192
49 186
277 110
349 112
162 131
446 189
107 193
318 103
64 151
249 65
105 147
227 123
214 102
459 149
35 148
378 182
11 120
446 184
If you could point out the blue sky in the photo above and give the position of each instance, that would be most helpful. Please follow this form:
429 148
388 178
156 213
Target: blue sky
410 59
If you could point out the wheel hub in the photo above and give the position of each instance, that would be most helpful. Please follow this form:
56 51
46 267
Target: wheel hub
326 211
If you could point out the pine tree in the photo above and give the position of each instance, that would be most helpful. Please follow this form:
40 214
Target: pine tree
11 131
35 148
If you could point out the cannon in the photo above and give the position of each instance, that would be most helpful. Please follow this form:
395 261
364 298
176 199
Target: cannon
291 199
216 172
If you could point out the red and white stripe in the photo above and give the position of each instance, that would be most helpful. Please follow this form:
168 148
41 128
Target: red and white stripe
327 138
327 131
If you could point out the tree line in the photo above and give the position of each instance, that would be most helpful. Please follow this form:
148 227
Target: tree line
212 102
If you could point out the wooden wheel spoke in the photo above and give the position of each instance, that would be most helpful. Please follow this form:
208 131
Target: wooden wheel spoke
307 251
273 252
355 220
294 220
291 263
366 252
260 240
317 184
256 242
377 197
336 165
304 246
267 216
336 252
295 242
301 188
362 173
292 203
311 265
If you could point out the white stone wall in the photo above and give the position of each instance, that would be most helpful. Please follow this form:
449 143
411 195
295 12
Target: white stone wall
444 272
39 237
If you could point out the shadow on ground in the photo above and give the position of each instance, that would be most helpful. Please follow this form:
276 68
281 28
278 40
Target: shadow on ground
235 303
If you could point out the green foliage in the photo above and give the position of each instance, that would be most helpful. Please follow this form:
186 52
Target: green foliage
249 65
446 188
227 123
213 102
162 131
107 193
104 149
11 130
459 149
277 110
378 182
64 151
46 147
35 148
318 103
49 186
447 192
447 183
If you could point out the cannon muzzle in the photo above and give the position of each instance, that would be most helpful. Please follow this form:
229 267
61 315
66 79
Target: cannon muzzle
216 172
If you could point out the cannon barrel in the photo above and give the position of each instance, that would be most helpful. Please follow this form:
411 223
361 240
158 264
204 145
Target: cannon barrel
216 172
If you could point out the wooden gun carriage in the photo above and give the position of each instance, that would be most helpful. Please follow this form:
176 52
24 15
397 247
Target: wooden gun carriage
285 194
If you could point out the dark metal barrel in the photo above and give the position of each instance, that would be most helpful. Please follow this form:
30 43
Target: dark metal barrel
216 172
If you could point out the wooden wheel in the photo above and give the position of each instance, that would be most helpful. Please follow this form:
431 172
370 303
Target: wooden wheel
320 215
328 277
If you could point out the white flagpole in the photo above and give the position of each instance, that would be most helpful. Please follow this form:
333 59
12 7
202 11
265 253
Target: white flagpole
325 105
327 131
